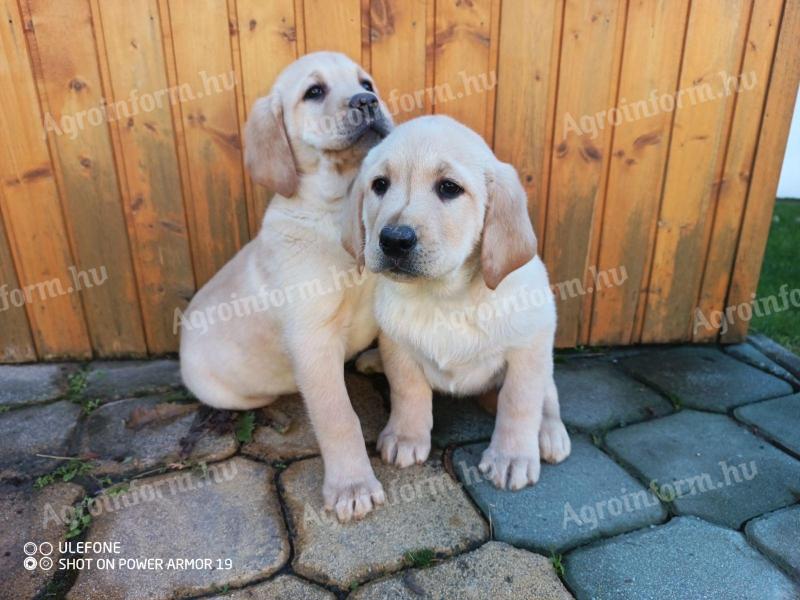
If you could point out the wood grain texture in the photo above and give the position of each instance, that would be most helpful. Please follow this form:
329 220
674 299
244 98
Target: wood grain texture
217 217
700 133
30 202
465 76
16 342
734 183
265 29
85 168
653 41
592 35
526 92
766 170
147 158
398 33
334 26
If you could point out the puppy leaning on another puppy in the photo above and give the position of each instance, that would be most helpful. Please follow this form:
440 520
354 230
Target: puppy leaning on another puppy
304 141
446 225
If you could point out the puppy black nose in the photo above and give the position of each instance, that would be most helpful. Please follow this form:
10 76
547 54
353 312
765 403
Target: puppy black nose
397 240
365 102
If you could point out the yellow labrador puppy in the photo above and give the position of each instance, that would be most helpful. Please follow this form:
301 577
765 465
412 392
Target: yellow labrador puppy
464 303
287 311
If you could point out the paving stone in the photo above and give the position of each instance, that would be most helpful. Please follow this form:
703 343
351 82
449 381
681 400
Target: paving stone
704 378
686 558
299 441
233 514
495 570
459 420
32 384
424 508
586 497
788 360
33 430
777 535
710 466
777 419
28 515
753 356
122 379
121 450
597 395
283 587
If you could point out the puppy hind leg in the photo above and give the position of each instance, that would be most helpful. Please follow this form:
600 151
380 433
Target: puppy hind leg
369 362
554 443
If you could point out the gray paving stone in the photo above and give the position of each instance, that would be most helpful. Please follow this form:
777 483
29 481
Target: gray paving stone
495 570
778 536
32 384
32 516
33 430
685 559
788 360
283 587
231 514
299 441
586 497
459 420
704 377
597 395
424 508
710 466
753 356
122 379
777 419
120 450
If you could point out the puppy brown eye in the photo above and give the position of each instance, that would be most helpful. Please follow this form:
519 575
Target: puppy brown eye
367 85
447 189
380 185
315 92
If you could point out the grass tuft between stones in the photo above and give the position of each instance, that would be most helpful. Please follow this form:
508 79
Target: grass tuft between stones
420 559
558 564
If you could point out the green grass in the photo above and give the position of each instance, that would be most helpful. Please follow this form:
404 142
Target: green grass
420 559
781 267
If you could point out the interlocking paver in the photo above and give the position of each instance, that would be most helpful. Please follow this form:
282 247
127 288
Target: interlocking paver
283 587
595 395
753 356
459 420
586 497
424 508
686 558
778 536
32 384
495 570
122 379
231 514
704 378
778 419
709 466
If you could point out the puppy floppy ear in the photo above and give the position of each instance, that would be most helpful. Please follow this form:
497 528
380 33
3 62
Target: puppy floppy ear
353 231
508 238
267 153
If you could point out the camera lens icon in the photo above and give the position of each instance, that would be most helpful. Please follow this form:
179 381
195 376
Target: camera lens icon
46 563
29 563
30 548
46 548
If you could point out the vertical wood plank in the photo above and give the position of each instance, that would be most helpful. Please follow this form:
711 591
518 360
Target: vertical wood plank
209 117
334 26
464 74
735 179
30 202
526 85
142 122
592 35
766 169
266 29
71 83
16 343
695 161
398 55
654 39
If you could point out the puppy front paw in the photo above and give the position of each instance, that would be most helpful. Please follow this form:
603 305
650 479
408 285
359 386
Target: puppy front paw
352 498
404 450
510 470
554 444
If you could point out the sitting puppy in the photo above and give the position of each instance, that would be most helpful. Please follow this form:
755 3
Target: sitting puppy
294 308
464 303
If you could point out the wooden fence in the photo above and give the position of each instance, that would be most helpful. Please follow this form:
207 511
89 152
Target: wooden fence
122 187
